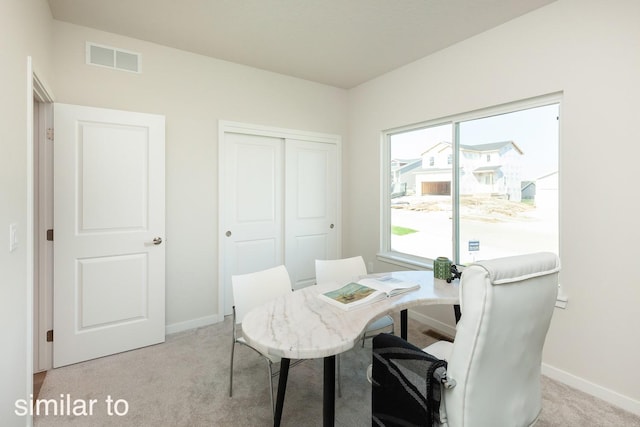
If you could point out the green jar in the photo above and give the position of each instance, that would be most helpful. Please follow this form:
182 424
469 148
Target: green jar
442 268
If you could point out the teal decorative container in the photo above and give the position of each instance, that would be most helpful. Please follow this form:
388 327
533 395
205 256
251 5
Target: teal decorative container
442 268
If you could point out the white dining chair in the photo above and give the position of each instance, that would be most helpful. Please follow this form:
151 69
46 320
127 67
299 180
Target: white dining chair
343 271
249 291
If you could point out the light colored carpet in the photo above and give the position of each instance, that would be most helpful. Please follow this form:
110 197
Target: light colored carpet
184 382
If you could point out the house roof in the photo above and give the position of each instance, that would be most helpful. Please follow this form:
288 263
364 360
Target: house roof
483 169
405 161
439 146
480 148
413 164
491 146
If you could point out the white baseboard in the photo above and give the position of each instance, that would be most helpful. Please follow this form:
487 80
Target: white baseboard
439 326
193 323
610 396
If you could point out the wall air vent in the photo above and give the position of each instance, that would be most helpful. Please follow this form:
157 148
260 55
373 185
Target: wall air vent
111 57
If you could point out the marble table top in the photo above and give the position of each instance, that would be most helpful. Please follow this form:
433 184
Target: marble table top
302 326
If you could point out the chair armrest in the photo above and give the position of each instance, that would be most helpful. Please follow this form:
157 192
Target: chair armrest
403 383
440 349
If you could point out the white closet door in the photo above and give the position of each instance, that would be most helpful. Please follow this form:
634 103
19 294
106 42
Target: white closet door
251 203
279 201
311 192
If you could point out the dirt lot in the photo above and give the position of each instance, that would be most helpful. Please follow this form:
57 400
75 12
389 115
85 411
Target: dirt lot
486 209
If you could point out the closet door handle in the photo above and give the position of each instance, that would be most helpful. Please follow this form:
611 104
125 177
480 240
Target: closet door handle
228 233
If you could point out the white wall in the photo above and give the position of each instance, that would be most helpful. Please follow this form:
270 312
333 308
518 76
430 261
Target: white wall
590 50
193 92
25 30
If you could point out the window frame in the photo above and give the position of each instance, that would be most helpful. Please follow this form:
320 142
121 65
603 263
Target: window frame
385 253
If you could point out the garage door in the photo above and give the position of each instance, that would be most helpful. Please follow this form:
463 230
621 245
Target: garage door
441 188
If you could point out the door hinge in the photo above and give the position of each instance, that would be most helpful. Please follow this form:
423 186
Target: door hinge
50 134
50 335
50 235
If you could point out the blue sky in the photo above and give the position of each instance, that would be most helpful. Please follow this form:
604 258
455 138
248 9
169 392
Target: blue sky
534 130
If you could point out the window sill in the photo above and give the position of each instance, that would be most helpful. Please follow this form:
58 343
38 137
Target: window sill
404 260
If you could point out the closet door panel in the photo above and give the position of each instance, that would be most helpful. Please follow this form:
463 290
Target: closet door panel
311 191
251 206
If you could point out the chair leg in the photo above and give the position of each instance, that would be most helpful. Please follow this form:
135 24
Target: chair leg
233 346
365 336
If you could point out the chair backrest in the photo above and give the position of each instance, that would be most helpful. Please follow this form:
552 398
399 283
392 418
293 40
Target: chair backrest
340 271
253 289
506 304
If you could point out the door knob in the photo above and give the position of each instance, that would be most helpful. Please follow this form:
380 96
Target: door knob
157 240
228 233
331 226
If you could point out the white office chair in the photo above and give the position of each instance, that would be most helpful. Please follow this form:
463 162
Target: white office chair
249 291
343 271
493 372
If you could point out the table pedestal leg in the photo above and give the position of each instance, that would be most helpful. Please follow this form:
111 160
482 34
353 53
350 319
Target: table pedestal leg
329 392
403 324
282 386
456 312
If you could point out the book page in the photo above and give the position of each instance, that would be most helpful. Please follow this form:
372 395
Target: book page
388 284
352 295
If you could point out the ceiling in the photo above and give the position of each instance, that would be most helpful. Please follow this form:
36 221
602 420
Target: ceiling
341 43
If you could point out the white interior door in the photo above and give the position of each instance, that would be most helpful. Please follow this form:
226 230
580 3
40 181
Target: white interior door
109 290
311 207
251 201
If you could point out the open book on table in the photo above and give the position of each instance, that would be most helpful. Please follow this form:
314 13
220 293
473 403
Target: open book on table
366 291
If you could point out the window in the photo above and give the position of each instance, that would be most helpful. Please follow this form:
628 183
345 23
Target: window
494 192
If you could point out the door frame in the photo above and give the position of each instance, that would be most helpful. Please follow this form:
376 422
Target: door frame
37 92
43 220
225 126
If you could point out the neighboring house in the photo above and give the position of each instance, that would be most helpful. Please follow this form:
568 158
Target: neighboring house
492 169
528 190
546 194
402 182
